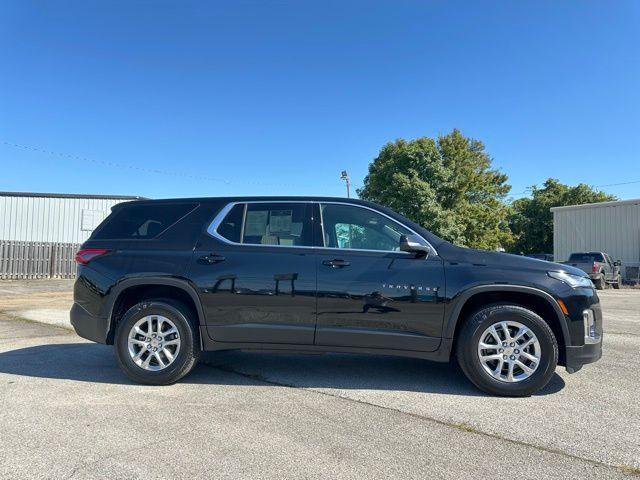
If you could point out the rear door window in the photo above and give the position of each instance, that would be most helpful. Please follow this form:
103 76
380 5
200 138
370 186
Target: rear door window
281 224
144 222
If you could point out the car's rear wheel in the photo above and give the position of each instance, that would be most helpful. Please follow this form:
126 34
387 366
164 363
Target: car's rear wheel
156 342
507 350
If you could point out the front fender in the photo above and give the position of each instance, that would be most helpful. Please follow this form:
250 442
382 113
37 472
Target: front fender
452 313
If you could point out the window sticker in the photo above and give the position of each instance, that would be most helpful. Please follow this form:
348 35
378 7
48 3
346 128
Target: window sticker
256 224
280 221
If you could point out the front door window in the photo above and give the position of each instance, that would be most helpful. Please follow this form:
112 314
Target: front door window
356 228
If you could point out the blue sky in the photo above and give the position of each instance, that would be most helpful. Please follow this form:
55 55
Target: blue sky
257 97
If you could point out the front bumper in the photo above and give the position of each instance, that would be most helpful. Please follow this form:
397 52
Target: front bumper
581 355
591 350
88 326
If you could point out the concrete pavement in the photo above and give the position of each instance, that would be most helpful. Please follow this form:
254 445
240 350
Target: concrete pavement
68 412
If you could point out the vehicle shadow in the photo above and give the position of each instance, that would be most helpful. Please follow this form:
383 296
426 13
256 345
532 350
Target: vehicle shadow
88 362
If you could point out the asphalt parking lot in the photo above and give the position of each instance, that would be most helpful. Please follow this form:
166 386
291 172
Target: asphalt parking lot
68 412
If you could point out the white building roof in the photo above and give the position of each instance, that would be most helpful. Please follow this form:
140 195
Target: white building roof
69 195
614 203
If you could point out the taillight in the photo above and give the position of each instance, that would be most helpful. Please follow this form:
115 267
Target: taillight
594 269
85 255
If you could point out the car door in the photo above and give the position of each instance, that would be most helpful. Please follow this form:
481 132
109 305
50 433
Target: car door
256 274
610 269
371 294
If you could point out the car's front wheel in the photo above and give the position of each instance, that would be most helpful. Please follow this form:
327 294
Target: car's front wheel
156 342
507 350
618 282
600 283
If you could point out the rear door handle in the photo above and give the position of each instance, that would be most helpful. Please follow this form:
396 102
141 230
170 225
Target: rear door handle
336 263
212 258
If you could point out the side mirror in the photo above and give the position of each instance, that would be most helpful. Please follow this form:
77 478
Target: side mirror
411 244
617 263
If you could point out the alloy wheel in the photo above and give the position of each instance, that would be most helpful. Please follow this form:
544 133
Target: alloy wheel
153 342
509 351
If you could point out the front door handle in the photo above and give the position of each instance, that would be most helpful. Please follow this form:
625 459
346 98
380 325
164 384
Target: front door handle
211 259
336 263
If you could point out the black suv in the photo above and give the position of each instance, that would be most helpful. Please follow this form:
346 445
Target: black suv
163 280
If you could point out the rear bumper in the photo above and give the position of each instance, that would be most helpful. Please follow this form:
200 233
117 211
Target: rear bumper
88 326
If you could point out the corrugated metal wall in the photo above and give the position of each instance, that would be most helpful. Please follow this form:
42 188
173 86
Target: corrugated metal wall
611 227
39 234
47 219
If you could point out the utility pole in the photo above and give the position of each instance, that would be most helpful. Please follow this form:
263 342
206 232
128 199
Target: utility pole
345 176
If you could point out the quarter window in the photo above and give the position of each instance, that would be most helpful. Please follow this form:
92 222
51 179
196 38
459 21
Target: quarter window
231 227
352 227
141 221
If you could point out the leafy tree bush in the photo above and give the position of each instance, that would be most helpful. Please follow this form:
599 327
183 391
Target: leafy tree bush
447 185
532 221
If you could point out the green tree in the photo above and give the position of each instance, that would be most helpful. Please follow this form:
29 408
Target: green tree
532 221
446 185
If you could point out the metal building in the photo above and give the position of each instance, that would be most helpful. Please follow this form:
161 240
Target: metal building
611 227
40 232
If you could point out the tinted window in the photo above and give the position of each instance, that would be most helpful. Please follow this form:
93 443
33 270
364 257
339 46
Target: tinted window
231 226
285 224
358 228
141 221
586 257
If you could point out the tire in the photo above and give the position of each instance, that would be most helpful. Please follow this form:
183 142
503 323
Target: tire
618 282
522 383
175 320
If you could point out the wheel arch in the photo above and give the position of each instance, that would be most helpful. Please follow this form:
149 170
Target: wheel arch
534 299
133 290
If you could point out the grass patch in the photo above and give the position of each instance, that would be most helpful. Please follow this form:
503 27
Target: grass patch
630 470
17 318
466 427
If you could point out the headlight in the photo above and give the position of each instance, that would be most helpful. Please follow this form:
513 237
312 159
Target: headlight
571 280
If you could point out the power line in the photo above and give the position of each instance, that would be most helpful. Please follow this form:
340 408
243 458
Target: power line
116 164
206 177
143 169
616 184
594 186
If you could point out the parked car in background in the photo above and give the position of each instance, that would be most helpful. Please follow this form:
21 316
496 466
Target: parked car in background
599 266
547 257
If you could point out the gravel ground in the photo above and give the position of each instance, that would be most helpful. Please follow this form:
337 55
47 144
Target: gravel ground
69 412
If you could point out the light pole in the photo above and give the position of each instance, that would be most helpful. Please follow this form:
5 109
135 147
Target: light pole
345 176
